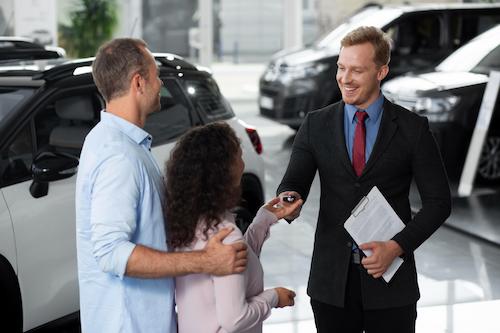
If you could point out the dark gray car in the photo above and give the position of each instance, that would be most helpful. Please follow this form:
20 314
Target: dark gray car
297 82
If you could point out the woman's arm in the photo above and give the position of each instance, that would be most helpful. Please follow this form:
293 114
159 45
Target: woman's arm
235 312
269 214
258 231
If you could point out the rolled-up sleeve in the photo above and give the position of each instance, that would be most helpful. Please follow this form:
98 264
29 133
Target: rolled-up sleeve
115 196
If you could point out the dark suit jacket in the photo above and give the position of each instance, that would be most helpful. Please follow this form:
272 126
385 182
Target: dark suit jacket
404 150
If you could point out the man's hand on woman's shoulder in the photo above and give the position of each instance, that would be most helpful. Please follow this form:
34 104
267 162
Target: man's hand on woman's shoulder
224 259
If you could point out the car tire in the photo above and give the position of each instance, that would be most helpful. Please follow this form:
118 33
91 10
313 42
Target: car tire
488 169
11 313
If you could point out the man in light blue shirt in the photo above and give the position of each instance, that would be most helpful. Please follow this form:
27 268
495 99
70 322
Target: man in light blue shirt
125 272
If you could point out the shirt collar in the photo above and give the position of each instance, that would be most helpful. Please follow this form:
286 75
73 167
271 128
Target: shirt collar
374 110
133 131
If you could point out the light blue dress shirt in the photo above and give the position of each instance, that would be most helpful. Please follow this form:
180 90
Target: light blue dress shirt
372 124
119 200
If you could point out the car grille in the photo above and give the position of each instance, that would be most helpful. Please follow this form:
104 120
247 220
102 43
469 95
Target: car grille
268 113
296 106
268 91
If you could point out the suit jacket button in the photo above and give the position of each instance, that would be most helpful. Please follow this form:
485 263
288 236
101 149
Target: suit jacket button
358 185
349 244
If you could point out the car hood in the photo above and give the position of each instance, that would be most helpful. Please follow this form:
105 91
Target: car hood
299 57
416 84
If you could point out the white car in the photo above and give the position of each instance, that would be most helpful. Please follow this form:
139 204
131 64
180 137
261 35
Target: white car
44 118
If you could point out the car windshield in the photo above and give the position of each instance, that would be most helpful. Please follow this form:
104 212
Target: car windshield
471 57
371 16
11 98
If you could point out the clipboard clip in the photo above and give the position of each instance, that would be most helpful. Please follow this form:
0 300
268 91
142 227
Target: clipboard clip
360 206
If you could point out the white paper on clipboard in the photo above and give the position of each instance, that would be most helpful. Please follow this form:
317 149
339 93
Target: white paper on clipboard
373 219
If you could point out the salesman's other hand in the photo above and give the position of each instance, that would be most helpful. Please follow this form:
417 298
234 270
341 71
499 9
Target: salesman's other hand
383 253
283 209
285 297
222 259
296 212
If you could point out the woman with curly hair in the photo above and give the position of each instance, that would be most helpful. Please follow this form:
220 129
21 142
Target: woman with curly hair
203 184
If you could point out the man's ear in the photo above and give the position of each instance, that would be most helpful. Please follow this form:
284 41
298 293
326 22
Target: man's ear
382 72
137 83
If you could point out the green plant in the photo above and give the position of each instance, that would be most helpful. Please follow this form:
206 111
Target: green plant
92 24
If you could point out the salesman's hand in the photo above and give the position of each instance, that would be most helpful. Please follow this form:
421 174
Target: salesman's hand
222 259
383 253
283 209
296 212
285 297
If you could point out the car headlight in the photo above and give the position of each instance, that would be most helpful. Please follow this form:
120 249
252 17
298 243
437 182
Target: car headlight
304 71
436 108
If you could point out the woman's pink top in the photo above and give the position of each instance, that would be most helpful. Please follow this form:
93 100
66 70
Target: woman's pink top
232 303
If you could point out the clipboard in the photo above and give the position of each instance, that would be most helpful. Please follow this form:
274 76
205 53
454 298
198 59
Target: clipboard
373 219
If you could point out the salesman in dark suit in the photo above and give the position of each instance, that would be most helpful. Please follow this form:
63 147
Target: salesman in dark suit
360 142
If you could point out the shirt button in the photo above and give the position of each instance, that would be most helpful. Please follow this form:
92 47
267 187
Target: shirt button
349 244
149 138
358 185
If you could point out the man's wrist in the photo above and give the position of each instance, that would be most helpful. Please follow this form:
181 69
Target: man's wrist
395 248
198 261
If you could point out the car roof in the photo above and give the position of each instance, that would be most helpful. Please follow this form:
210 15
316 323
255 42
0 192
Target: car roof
440 6
20 48
57 69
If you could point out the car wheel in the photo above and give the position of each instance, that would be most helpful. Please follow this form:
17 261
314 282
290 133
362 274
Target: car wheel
11 315
488 170
243 218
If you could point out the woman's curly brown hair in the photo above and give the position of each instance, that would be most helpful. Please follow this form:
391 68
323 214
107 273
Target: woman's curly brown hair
200 181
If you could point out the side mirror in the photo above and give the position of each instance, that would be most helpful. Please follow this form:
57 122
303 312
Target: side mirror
50 166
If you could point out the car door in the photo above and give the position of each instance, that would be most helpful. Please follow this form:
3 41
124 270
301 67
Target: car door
44 226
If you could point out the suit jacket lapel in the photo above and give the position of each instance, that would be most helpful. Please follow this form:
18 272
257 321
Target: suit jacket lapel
336 124
386 131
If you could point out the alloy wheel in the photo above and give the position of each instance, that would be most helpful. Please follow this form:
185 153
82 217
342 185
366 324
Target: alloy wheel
489 162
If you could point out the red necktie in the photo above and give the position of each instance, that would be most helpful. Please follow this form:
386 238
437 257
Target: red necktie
358 151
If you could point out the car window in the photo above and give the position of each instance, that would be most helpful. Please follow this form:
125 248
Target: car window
174 117
63 124
207 99
11 98
16 158
490 62
465 26
416 34
371 16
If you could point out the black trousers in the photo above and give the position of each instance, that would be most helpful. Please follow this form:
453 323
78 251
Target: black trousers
353 319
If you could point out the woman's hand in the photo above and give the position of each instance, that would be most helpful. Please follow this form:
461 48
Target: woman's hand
285 297
282 208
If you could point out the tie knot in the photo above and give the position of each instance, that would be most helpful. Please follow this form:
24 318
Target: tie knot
361 116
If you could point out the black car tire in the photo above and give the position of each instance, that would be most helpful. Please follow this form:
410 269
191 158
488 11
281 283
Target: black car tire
11 314
488 169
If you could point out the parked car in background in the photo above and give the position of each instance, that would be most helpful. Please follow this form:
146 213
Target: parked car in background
44 118
41 36
296 82
450 97
20 48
